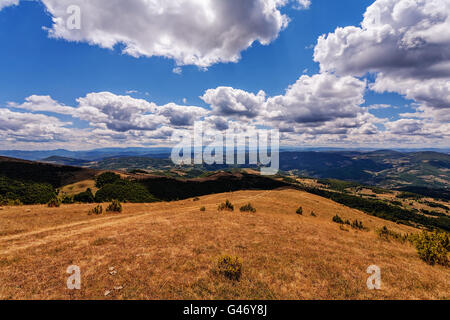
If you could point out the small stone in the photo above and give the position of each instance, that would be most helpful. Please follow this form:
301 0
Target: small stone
111 269
118 288
107 293
113 273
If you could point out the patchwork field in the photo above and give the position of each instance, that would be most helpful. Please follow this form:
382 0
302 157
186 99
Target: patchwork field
169 250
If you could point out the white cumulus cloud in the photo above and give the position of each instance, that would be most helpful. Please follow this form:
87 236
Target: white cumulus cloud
192 32
42 104
7 3
406 43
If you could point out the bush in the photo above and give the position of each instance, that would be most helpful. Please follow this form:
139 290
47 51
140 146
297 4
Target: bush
106 178
115 206
202 209
85 197
248 208
313 214
338 219
226 206
11 203
387 234
98 210
67 199
433 247
54 203
124 190
300 211
230 267
26 192
101 241
358 225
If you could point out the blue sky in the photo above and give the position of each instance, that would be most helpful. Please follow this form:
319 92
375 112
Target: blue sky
34 64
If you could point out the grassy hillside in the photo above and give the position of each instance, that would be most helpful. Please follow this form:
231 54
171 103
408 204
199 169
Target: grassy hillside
170 251
34 183
78 187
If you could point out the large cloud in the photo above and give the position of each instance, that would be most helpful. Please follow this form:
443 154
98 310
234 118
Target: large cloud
317 99
118 113
407 38
227 101
322 109
181 116
419 128
192 32
7 3
405 42
42 104
311 100
28 127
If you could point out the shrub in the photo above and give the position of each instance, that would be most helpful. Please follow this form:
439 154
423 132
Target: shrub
230 267
54 203
358 225
338 219
387 234
67 199
124 190
13 203
397 203
101 241
202 209
247 208
226 206
106 178
85 197
313 214
433 247
300 211
98 210
115 206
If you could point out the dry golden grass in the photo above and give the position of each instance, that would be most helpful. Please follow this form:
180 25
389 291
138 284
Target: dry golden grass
79 187
170 251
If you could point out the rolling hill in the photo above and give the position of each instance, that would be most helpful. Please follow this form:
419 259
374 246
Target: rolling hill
37 183
169 250
384 168
56 175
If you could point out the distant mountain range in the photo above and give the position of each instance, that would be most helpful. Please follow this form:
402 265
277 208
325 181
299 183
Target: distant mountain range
89 155
384 168
100 154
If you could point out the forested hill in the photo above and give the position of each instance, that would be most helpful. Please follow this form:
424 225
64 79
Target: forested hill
56 175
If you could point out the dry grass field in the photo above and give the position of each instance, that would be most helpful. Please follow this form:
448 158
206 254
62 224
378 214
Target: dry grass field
76 188
170 250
